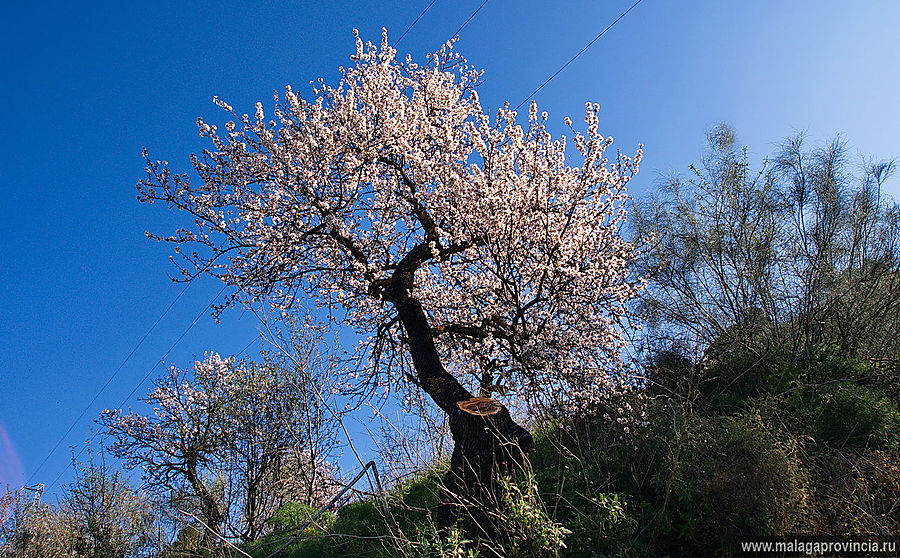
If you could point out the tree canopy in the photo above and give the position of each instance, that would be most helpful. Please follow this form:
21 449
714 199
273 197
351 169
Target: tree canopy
397 188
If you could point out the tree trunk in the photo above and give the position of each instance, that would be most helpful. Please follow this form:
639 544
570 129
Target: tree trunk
209 508
487 446
488 443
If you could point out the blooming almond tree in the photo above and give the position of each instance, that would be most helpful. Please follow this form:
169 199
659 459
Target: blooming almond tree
243 421
181 442
463 248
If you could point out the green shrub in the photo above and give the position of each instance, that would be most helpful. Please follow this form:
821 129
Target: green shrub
584 470
293 515
432 544
531 531
739 479
731 381
822 363
857 416
360 528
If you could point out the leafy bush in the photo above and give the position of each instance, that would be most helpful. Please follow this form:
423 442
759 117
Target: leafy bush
858 416
730 381
573 463
360 528
293 515
433 544
530 529
747 479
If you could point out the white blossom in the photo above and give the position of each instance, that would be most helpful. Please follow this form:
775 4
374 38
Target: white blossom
526 275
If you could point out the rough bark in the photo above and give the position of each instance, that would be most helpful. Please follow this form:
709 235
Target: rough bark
209 508
488 443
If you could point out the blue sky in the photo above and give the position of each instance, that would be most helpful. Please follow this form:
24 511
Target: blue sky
87 85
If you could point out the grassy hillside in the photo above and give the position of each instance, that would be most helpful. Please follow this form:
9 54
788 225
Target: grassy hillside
704 458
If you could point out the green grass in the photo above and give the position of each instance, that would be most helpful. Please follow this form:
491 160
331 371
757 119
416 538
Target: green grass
358 528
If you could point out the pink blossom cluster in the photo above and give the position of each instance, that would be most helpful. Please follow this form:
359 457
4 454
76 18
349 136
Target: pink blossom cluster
525 273
182 407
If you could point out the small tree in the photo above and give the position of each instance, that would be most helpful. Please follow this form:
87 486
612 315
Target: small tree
106 517
844 250
99 515
799 253
31 528
180 443
469 255
277 438
712 262
224 435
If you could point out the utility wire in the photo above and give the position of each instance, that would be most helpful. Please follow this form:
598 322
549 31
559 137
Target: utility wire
247 346
470 19
411 25
580 52
180 337
106 385
461 27
144 379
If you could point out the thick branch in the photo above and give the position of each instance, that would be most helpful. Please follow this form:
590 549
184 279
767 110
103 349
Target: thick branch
472 332
443 388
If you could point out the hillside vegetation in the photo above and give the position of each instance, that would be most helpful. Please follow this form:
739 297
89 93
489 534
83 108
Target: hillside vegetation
766 401
691 471
761 399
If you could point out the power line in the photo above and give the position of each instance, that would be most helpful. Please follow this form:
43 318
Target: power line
461 27
411 25
470 19
149 372
247 346
106 385
580 52
180 337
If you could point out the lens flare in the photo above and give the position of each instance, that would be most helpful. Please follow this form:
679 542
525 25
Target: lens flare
10 466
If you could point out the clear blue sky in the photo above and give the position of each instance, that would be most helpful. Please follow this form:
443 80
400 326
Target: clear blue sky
88 84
